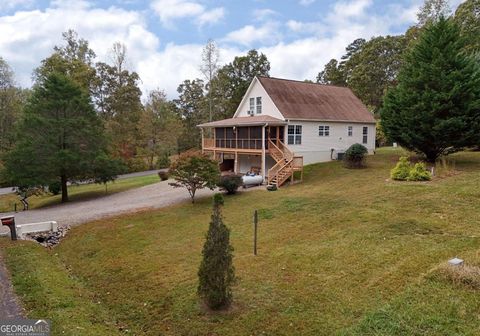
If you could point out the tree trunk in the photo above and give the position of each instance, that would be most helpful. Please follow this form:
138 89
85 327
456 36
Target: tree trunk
431 157
64 189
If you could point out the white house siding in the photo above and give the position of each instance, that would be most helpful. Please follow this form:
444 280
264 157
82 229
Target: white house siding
315 148
268 107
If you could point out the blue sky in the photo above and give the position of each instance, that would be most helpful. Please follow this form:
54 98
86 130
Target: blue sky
164 38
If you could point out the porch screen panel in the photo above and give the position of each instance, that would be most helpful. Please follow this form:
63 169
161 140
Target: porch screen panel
242 137
219 137
230 138
256 137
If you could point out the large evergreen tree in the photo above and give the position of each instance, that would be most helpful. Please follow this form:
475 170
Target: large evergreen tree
216 274
59 138
435 109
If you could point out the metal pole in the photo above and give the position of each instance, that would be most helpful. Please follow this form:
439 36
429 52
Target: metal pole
255 225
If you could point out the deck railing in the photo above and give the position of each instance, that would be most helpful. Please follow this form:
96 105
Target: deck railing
233 143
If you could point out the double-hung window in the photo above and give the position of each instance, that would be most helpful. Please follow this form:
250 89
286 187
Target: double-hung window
294 134
365 134
350 131
323 130
252 105
259 105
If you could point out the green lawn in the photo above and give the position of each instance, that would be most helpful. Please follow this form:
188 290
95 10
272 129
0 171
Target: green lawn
78 192
347 252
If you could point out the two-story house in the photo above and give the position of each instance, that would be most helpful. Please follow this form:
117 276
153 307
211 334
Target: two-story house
281 124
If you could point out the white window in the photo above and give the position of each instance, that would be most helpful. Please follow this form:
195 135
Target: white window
365 134
294 134
259 105
323 130
252 105
350 131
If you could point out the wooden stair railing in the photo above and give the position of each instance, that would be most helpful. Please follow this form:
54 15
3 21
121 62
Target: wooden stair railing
283 169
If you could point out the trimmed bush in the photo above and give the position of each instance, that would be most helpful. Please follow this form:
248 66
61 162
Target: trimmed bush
355 156
163 175
230 183
419 172
402 170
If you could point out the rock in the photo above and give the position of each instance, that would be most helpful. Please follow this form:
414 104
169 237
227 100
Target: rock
50 238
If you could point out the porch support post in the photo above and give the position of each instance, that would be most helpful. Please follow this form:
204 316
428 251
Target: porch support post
203 142
263 152
235 166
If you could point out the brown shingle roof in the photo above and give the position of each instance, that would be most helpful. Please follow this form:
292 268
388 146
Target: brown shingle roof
310 101
245 121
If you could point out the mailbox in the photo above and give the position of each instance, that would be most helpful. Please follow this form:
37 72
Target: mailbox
10 222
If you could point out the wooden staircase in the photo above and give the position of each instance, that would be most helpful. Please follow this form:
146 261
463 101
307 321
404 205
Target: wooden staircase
286 164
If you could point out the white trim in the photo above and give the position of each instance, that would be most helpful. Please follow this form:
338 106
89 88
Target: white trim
334 121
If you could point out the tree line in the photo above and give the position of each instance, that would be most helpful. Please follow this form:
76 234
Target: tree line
86 120
126 133
370 68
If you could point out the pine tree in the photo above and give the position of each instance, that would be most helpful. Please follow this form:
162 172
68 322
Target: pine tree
435 109
216 274
59 138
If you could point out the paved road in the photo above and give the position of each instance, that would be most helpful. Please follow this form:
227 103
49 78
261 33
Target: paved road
9 304
4 191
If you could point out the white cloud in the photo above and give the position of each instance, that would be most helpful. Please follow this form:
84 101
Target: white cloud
29 36
306 27
13 4
211 16
267 33
264 13
170 10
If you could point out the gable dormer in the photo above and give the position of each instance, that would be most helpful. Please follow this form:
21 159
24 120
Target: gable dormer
256 102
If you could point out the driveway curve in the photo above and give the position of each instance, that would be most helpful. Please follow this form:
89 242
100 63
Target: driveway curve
153 196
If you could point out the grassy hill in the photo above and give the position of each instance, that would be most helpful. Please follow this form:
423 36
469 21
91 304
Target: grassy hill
347 252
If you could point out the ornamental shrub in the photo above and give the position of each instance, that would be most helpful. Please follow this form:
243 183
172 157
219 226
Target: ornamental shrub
419 172
355 156
230 183
216 274
402 170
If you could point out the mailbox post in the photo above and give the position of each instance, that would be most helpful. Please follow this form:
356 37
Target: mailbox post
10 222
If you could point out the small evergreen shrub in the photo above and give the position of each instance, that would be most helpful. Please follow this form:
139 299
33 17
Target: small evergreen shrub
163 175
419 172
55 188
402 170
355 156
230 183
216 274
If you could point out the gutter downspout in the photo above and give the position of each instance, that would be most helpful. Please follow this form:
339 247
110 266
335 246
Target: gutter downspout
263 151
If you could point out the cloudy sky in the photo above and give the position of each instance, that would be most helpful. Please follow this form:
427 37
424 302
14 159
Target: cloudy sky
164 38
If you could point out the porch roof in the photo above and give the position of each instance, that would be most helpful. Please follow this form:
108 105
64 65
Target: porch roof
259 120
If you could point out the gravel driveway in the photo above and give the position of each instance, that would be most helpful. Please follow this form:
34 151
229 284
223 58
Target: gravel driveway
152 196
